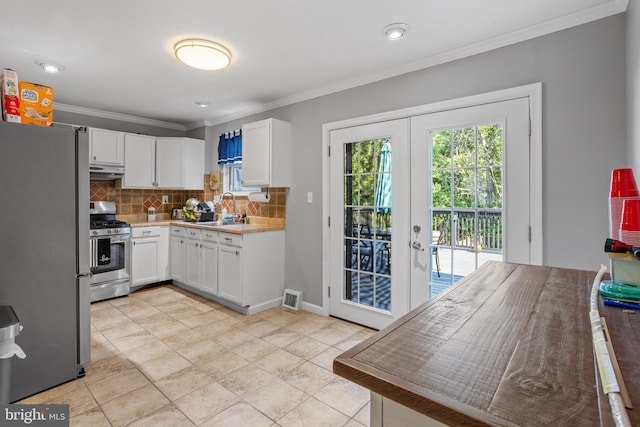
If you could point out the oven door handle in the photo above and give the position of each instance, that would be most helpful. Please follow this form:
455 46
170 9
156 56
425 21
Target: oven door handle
120 240
93 253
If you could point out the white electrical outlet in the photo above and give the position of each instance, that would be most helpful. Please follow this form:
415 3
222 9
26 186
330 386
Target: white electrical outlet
165 199
309 197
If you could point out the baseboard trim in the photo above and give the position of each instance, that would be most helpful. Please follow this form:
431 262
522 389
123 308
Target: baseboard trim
316 309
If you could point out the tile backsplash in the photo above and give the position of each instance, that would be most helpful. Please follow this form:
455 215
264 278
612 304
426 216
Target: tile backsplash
137 201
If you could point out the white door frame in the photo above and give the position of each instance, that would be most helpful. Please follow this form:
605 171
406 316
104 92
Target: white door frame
532 91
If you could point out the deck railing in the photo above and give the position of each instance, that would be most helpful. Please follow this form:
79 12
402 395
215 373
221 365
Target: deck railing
470 229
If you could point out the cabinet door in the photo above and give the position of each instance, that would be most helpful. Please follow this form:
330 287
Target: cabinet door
256 154
164 272
210 267
194 263
106 147
139 161
194 164
170 163
178 258
230 273
144 261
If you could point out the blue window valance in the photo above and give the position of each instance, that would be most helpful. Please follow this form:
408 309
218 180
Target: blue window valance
230 147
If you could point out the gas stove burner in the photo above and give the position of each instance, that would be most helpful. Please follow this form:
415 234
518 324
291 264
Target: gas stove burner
105 218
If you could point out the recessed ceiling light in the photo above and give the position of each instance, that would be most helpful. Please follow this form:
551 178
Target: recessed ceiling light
202 54
202 104
395 31
50 67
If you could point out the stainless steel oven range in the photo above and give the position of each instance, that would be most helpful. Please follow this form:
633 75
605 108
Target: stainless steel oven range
110 252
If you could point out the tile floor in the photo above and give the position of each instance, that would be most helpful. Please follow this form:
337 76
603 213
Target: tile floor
166 357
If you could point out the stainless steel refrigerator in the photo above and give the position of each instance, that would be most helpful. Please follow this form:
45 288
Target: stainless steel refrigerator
44 251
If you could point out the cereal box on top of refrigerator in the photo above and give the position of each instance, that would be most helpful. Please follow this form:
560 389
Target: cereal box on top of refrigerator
10 96
36 104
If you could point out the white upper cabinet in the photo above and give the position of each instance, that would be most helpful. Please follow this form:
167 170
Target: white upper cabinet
140 161
163 163
170 163
266 154
180 163
106 147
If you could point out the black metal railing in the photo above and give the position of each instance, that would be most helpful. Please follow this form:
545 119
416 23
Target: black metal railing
480 229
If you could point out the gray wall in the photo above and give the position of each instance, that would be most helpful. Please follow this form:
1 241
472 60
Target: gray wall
633 86
584 136
118 125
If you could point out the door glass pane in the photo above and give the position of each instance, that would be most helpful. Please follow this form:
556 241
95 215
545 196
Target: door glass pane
367 219
466 201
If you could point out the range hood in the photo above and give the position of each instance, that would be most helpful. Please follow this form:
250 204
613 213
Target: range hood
105 173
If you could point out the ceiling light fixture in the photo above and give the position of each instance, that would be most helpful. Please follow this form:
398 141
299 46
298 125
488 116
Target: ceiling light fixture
395 31
202 104
202 54
50 67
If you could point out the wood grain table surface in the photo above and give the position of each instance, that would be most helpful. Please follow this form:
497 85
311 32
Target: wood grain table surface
510 344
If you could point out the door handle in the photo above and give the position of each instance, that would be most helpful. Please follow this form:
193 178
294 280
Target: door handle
417 245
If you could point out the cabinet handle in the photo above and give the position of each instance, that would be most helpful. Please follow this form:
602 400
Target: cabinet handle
94 157
146 232
237 252
228 239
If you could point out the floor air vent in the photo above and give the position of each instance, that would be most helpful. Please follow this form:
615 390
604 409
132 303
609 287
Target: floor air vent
292 299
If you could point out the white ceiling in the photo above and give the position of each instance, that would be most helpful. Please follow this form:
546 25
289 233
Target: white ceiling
118 54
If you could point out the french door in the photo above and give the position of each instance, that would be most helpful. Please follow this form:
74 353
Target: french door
469 191
369 179
419 202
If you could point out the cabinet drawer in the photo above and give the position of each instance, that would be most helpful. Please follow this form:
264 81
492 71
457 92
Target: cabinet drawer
145 232
209 236
194 233
230 239
179 231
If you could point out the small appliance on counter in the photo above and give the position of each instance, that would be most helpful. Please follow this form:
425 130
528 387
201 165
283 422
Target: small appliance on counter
177 214
197 211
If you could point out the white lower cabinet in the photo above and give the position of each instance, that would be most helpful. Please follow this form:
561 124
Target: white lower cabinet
210 262
251 268
201 271
246 270
149 255
178 253
230 272
194 258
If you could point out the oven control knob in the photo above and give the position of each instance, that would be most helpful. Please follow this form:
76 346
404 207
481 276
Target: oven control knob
108 231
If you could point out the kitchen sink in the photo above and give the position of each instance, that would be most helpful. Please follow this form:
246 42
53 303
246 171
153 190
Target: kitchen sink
215 223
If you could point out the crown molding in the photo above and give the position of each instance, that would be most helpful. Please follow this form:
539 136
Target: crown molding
117 116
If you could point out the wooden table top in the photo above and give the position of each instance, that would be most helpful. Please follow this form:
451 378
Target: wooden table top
509 344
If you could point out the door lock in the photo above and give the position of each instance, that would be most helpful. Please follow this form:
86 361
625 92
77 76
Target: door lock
416 228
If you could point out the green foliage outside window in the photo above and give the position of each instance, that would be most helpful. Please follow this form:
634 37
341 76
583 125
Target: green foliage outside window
455 154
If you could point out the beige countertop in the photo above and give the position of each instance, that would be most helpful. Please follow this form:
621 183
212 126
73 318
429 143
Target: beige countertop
255 225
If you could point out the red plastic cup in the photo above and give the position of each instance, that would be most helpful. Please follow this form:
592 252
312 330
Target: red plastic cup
630 215
623 184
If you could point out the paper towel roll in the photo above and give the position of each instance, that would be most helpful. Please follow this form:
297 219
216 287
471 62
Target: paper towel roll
259 197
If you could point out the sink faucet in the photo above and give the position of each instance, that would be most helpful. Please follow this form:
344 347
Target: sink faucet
234 201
